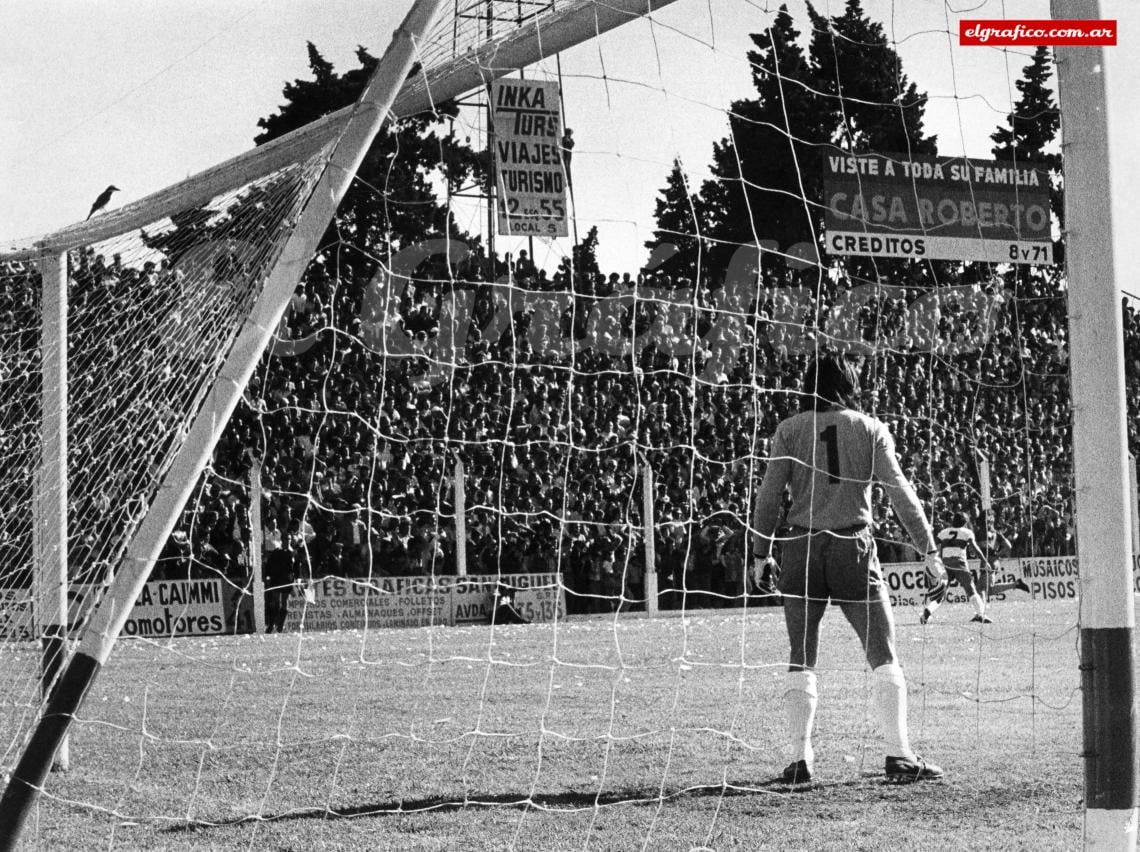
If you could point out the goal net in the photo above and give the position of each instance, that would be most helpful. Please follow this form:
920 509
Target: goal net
472 561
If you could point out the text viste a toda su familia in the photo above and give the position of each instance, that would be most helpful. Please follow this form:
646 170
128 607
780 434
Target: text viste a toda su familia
950 211
672 316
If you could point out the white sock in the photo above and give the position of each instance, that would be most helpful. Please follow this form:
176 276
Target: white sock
800 699
979 604
930 606
891 689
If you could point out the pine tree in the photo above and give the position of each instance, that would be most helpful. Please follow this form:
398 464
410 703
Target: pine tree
586 256
849 91
679 220
1035 119
764 168
403 162
869 103
1031 128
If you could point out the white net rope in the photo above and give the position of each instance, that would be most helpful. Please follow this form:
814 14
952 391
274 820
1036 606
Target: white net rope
428 409
152 313
20 371
19 346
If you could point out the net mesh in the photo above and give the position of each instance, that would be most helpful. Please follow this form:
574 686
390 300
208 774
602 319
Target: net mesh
152 313
448 432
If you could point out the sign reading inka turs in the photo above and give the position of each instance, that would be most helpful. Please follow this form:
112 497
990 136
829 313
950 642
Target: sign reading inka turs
530 174
941 208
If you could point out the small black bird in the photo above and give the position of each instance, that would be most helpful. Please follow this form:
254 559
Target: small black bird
102 200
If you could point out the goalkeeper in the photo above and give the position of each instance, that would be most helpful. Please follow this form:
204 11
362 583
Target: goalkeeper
827 456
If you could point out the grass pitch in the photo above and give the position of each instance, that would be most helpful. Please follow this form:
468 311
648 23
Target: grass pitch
598 733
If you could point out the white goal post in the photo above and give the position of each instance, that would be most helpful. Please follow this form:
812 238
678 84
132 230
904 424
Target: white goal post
1100 448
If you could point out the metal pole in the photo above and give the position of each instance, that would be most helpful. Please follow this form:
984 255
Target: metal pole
650 522
256 546
492 172
492 177
50 538
987 508
529 237
987 497
1096 358
1134 508
460 521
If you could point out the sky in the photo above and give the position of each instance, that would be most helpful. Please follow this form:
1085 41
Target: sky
142 93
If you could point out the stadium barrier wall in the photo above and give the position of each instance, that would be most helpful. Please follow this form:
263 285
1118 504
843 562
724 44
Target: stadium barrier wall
212 607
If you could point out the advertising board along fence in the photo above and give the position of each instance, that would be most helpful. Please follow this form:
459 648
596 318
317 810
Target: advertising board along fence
1049 578
337 603
210 607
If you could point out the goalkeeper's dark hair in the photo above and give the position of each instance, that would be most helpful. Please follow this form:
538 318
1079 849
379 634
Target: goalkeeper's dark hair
959 519
830 380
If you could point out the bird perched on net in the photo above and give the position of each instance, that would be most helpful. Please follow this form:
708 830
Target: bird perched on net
101 201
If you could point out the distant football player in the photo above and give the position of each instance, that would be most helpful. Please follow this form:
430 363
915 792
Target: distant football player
956 544
995 548
828 456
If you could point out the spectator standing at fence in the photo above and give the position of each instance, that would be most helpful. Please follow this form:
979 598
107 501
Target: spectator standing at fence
306 531
634 591
827 456
270 536
732 556
576 573
354 536
280 573
678 562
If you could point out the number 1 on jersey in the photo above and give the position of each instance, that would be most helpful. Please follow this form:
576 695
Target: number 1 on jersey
830 436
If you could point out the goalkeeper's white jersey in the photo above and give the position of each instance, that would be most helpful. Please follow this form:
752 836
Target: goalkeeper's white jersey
828 459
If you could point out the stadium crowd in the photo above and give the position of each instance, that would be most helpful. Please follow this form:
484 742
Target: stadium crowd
361 448
358 444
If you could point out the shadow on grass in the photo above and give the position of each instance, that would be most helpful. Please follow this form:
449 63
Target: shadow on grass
569 801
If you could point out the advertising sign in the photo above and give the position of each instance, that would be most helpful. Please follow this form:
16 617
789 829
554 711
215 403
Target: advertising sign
1051 577
163 608
529 170
906 581
178 608
340 604
537 597
938 208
